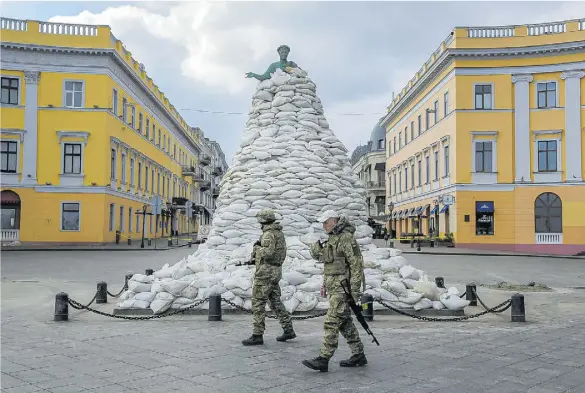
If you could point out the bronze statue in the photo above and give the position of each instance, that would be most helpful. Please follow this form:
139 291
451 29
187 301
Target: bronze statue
283 63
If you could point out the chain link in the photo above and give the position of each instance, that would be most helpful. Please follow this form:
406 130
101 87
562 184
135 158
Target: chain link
497 309
273 316
79 306
119 293
92 300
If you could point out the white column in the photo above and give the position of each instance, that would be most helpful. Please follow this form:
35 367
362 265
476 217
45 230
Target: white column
573 124
522 127
29 164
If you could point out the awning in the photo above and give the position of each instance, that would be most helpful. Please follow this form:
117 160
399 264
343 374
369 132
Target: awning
411 212
484 207
418 211
425 208
435 209
444 209
9 197
380 166
400 214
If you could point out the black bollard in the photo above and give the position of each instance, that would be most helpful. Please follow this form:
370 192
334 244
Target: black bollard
149 242
61 307
129 241
368 307
214 308
518 313
470 294
170 242
117 237
127 278
440 281
189 243
102 293
149 272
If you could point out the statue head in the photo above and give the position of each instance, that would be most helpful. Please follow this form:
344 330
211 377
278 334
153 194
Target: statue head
283 51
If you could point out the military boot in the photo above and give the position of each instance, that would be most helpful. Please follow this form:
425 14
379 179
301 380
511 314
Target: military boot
354 361
256 339
288 334
318 363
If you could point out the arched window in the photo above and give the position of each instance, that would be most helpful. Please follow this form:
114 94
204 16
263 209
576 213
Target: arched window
548 213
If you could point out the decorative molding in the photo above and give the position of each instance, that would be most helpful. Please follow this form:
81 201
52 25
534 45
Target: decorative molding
73 134
547 132
573 74
493 134
32 77
14 131
445 139
522 78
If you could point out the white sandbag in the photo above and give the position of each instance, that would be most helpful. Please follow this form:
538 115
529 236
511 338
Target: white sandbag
373 281
453 302
228 295
287 292
294 278
161 302
142 278
246 294
428 288
385 295
238 282
453 291
438 305
395 287
181 270
399 260
410 298
324 305
308 301
174 287
423 304
409 283
190 292
165 271
387 265
145 296
127 295
311 286
136 286
410 272
291 304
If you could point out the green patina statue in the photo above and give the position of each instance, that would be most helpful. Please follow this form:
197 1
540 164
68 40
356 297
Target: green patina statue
283 63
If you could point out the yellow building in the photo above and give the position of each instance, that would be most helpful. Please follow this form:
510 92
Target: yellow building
88 139
486 142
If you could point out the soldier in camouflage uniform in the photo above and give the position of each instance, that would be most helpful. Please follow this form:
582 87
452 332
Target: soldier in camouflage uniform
269 254
342 259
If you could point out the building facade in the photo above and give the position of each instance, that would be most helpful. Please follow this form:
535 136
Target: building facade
368 162
486 141
88 139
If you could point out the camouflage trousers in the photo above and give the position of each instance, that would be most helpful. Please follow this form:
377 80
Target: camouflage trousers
338 320
261 294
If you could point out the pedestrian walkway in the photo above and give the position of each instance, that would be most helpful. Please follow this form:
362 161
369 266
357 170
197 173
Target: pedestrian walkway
159 244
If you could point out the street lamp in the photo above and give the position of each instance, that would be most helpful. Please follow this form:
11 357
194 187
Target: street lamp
390 209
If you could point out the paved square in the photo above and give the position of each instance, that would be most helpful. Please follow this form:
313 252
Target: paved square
92 353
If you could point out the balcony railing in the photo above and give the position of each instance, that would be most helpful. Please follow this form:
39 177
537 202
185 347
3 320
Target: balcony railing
549 238
187 170
205 160
10 235
215 192
375 185
547 28
217 171
204 185
13 24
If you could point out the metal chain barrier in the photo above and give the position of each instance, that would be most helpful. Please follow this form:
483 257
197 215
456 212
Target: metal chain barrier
79 306
119 293
479 300
92 300
273 316
497 309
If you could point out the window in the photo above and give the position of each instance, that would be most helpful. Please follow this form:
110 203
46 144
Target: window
400 141
483 96
427 119
164 143
112 217
140 175
412 130
121 219
145 178
124 110
158 144
428 164
419 173
547 156
158 183
9 153
152 182
72 158
73 94
113 165
153 133
446 104
484 218
123 161
10 91
412 176
147 128
436 111
394 144
138 229
546 94
132 171
483 156
405 179
446 160
133 116
140 122
548 213
399 181
69 216
419 125
436 165
395 183
115 101
380 146
406 136
129 219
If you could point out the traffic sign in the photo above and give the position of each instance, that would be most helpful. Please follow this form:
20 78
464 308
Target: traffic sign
156 203
448 200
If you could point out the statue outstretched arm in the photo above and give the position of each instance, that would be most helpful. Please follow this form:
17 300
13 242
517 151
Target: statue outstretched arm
264 76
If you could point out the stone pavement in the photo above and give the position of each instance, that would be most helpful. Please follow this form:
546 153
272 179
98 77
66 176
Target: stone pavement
92 353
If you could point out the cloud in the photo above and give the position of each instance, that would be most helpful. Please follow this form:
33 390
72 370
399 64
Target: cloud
357 53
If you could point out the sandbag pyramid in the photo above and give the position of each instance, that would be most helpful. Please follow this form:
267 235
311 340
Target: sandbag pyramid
290 161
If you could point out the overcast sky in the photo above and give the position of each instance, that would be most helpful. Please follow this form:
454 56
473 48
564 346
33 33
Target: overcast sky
357 53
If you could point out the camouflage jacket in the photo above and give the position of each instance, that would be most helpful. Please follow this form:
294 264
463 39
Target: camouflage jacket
270 254
342 258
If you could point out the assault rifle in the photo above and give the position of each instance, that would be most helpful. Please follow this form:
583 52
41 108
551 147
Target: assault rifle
252 260
356 309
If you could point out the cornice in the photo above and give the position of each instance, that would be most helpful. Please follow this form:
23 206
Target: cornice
450 54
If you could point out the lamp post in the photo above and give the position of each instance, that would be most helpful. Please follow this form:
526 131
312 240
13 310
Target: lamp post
436 203
390 209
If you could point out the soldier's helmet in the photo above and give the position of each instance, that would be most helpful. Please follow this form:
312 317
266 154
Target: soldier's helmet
266 216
